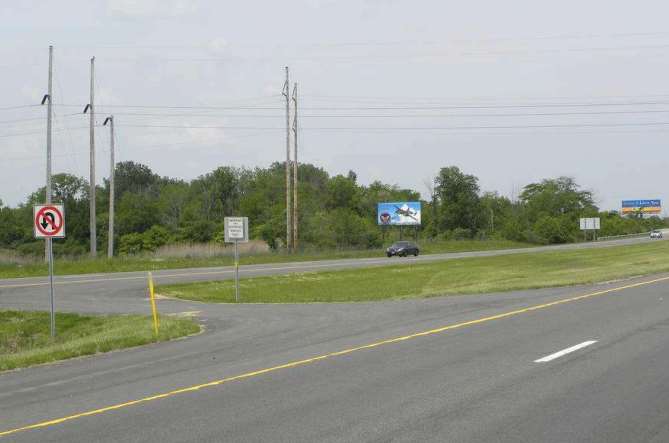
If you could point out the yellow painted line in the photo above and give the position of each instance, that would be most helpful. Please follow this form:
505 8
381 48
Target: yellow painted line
306 361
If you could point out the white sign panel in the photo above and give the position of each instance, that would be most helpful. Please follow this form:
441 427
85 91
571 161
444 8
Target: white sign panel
589 224
236 229
49 221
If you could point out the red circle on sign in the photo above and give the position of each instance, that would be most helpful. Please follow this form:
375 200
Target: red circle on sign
56 227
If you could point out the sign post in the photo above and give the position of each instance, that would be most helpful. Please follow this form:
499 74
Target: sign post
49 223
236 230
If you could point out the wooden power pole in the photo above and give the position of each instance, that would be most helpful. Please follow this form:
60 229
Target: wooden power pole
91 107
295 168
289 228
49 116
112 166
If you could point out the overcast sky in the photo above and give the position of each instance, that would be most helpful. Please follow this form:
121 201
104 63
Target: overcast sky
511 91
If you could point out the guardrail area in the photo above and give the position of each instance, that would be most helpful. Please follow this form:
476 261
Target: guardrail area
616 237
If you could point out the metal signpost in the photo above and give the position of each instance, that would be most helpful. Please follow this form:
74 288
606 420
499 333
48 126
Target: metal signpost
236 231
49 223
590 224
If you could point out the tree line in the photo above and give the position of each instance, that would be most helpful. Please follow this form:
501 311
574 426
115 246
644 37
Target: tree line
335 211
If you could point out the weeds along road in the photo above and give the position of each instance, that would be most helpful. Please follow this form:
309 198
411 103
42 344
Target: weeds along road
568 364
119 292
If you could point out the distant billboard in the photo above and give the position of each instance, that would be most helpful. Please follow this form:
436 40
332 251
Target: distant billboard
398 214
642 206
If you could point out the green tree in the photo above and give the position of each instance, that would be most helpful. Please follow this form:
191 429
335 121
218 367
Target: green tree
134 177
342 193
556 197
172 202
217 193
457 199
496 210
136 213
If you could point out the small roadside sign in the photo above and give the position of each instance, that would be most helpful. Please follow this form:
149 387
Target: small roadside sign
590 224
49 221
236 229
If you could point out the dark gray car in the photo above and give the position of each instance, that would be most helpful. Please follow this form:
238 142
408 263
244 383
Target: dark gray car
402 249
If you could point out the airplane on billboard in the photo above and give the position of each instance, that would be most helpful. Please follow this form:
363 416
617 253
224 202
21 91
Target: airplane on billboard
406 211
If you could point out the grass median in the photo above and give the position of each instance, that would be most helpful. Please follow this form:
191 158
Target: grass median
149 263
461 276
25 336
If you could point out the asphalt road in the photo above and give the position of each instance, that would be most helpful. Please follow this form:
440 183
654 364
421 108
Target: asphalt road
456 369
104 291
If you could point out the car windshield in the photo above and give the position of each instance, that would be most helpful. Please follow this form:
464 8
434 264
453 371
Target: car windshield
401 244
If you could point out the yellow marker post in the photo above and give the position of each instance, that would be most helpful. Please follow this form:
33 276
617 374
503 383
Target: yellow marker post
156 322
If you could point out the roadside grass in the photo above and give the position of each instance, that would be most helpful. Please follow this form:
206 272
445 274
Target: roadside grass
461 276
13 269
25 336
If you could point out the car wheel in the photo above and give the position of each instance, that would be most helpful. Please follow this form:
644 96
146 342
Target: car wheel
415 254
389 254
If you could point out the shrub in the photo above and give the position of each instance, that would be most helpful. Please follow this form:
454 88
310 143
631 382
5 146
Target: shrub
553 229
131 243
155 237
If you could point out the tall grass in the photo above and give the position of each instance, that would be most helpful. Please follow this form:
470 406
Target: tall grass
208 250
10 257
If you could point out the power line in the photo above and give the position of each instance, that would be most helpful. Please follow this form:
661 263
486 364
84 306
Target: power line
181 107
532 114
394 107
18 107
415 128
30 119
21 134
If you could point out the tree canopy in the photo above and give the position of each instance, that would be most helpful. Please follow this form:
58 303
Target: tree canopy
335 211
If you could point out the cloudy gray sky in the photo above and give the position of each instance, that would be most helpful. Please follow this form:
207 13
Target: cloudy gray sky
511 91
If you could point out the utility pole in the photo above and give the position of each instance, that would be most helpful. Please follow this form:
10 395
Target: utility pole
110 242
286 93
49 117
295 167
91 106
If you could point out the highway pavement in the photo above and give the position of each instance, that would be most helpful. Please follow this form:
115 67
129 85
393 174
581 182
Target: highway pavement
584 363
115 292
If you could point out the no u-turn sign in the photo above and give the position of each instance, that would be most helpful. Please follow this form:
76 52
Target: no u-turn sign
49 221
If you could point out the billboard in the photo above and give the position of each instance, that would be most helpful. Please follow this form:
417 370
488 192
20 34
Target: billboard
398 214
642 206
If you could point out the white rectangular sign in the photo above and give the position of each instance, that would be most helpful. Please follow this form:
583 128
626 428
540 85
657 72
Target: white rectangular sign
236 229
49 221
589 224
